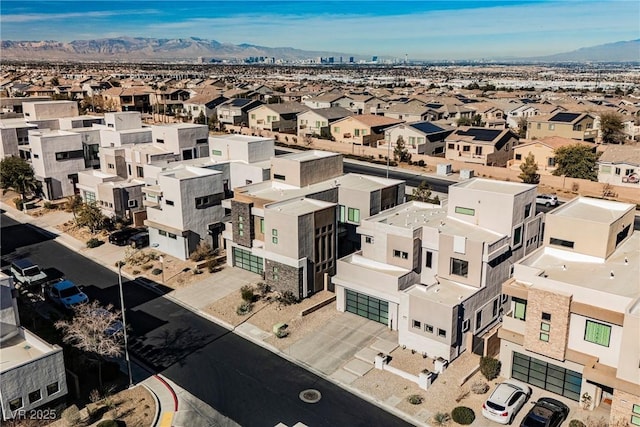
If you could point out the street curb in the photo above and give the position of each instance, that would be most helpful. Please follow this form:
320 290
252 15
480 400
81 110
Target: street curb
156 416
171 390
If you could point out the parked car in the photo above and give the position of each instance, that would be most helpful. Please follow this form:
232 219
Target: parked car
505 401
27 273
546 412
121 237
547 199
114 328
139 240
66 294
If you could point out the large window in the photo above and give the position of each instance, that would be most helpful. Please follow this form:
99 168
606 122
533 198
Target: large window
465 211
429 259
400 254
520 308
597 333
246 261
546 376
366 306
459 267
353 215
517 237
89 197
560 242
66 155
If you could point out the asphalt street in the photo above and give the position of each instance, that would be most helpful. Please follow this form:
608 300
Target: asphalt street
241 380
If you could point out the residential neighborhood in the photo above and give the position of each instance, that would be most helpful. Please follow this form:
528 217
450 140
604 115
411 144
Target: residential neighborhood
381 240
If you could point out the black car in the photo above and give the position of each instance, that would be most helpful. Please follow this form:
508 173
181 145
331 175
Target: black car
139 240
121 237
546 412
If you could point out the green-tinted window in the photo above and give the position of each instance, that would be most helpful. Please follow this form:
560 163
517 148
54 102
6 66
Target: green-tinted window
520 310
635 420
597 333
343 216
274 240
465 211
636 409
353 215
544 337
545 327
274 232
216 152
262 225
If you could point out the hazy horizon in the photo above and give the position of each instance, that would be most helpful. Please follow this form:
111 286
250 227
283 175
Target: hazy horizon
420 30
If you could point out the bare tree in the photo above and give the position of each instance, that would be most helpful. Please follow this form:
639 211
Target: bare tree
96 330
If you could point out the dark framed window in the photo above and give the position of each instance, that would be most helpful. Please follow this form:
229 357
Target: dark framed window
67 155
561 242
34 396
16 404
279 177
597 333
417 324
459 267
429 259
442 333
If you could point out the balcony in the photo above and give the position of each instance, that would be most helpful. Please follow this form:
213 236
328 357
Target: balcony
512 324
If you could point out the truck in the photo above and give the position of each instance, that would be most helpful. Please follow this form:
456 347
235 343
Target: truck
27 273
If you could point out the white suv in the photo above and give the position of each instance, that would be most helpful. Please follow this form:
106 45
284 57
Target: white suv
505 401
547 199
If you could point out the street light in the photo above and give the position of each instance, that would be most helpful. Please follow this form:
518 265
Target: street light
124 323
162 267
388 155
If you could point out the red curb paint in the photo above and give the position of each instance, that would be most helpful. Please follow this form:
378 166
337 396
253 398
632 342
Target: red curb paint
173 393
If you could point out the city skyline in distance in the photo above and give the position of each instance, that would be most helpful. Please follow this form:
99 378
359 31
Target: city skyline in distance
419 30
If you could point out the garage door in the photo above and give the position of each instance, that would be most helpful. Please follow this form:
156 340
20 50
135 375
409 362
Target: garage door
246 261
546 376
366 306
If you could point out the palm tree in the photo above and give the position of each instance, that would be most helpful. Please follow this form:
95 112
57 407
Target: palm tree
16 174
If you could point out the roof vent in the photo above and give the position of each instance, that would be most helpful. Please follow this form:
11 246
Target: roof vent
626 261
564 267
611 274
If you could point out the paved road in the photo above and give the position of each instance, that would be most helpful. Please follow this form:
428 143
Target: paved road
241 380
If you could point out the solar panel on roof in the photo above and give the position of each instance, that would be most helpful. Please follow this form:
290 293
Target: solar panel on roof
564 117
480 134
427 127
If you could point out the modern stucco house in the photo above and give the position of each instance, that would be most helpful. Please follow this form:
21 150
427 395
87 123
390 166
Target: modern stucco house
434 273
573 322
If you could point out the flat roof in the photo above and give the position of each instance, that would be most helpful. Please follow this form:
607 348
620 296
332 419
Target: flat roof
16 124
594 210
304 156
380 267
446 292
240 138
593 273
494 186
299 206
187 172
365 182
22 348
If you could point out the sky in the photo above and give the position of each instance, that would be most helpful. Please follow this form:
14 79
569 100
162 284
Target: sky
388 28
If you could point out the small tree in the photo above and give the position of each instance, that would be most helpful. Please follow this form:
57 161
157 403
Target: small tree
490 367
17 174
400 152
611 127
522 127
89 215
201 119
422 193
576 161
88 331
529 170
73 204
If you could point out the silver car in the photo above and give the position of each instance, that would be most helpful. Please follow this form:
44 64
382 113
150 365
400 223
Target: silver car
505 401
547 199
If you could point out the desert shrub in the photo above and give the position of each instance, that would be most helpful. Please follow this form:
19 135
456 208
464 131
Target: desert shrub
247 293
244 308
490 367
287 298
156 271
196 271
463 415
147 267
576 423
49 205
263 289
94 243
415 399
135 272
575 187
479 387
19 203
202 252
441 418
107 423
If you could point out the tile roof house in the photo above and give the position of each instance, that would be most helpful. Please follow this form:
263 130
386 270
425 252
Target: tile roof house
489 147
276 117
235 111
419 138
566 124
543 151
620 165
317 121
365 129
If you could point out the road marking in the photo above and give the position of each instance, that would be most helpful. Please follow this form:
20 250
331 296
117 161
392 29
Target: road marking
166 419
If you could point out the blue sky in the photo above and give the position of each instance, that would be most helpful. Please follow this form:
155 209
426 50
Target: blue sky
421 29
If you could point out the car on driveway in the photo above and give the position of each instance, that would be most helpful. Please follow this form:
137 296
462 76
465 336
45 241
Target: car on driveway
505 401
27 273
547 199
546 412
66 294
121 237
139 240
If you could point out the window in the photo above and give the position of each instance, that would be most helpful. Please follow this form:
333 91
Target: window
262 225
466 148
343 215
551 161
353 215
459 267
253 116
517 237
478 151
428 328
617 171
494 308
628 172
577 127
368 239
279 177
15 404
36 156
417 324
560 242
89 197
538 126
520 309
442 333
544 337
429 259
162 233
202 140
172 236
336 129
478 319
451 146
545 327
132 203
67 155
274 232
465 211
597 333
552 126
356 132
504 298
240 226
205 201
518 156
34 396
160 141
169 202
140 171
400 254
129 169
216 152
546 316
274 240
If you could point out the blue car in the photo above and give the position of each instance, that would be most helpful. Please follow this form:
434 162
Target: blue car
66 294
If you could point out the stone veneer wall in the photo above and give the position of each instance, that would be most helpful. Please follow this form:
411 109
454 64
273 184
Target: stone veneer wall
242 209
558 306
288 277
622 407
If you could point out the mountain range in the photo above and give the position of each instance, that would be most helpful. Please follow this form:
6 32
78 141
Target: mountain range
136 49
